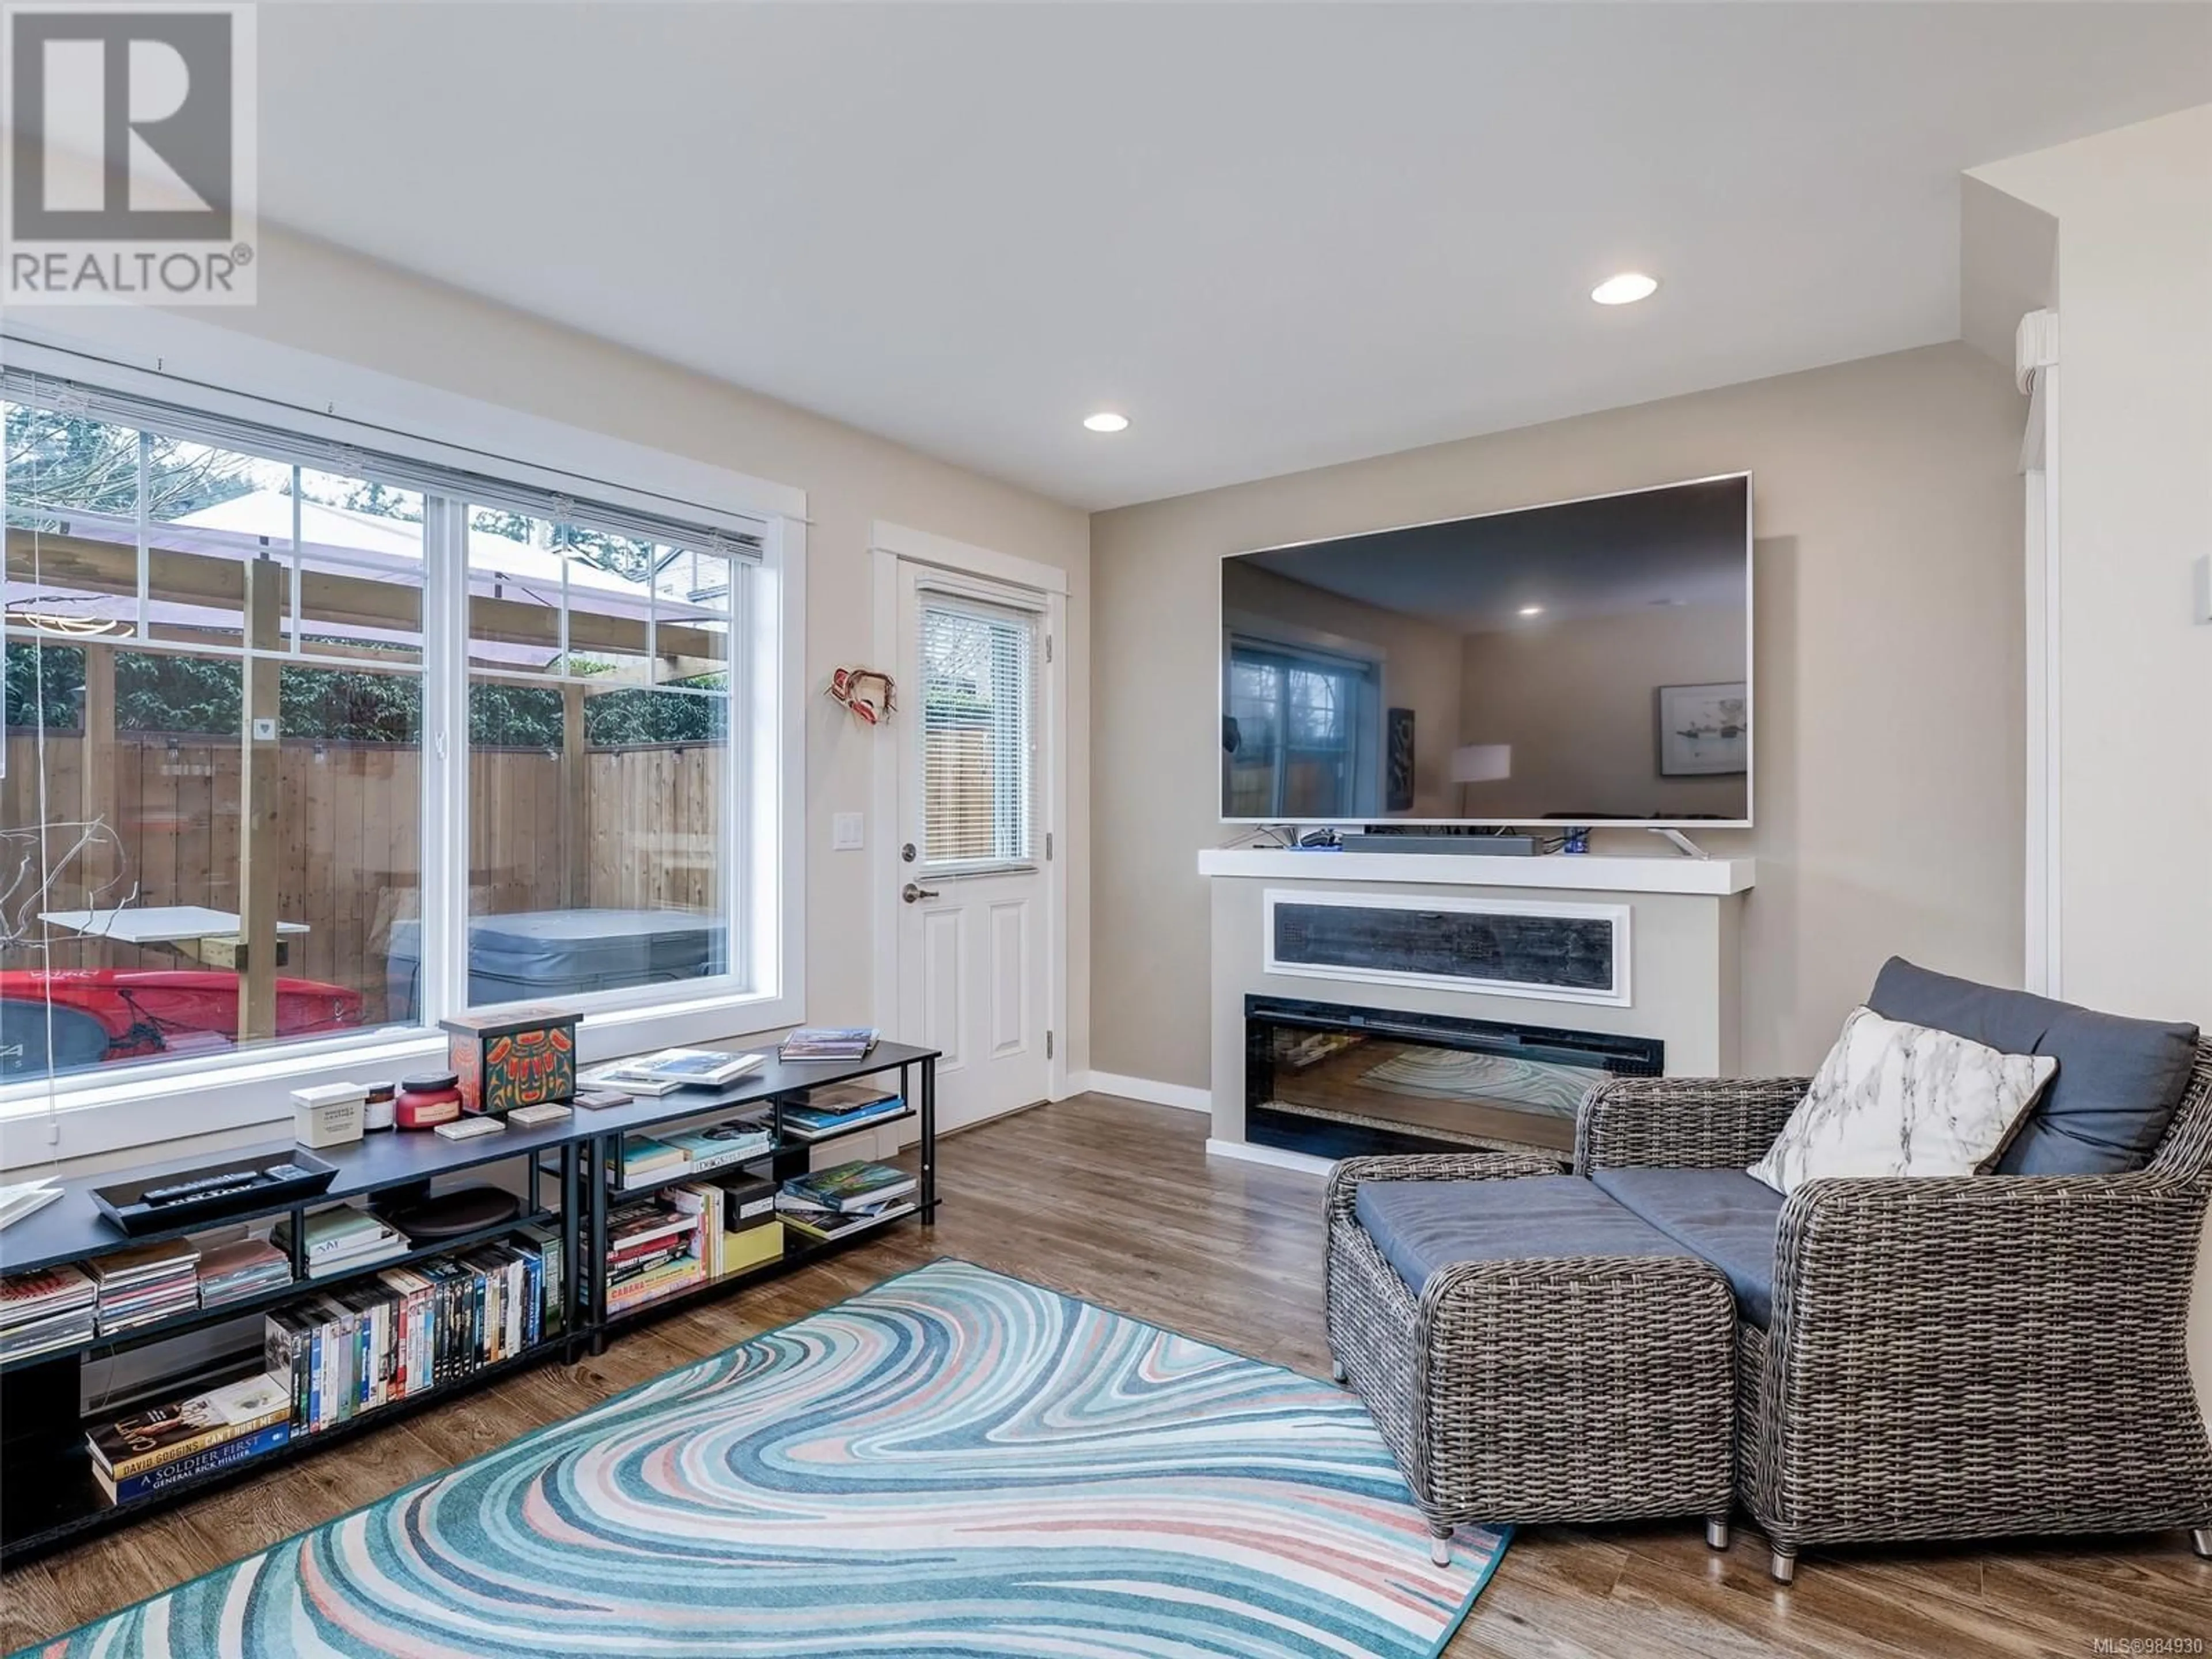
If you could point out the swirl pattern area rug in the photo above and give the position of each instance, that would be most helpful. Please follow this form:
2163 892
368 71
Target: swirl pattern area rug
955 1463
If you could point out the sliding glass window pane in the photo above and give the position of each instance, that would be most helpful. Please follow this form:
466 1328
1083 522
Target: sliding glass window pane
598 773
134 860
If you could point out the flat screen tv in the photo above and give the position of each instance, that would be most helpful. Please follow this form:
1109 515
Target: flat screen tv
1573 664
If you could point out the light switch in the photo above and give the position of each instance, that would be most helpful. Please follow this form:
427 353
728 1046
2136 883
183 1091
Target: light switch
845 832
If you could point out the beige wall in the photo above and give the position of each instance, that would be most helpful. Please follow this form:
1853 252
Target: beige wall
316 299
1889 688
1576 700
2134 463
2132 761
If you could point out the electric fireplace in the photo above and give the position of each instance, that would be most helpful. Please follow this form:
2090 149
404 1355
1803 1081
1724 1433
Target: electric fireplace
1334 1081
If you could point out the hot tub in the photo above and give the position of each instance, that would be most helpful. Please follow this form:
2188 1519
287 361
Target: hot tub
551 954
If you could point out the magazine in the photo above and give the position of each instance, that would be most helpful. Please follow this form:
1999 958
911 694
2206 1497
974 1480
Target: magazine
812 1223
675 1068
708 1066
827 1042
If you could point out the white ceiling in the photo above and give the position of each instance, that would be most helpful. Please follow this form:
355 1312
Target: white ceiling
1275 236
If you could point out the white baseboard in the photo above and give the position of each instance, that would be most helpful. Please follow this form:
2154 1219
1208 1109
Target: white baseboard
1142 1088
1245 1151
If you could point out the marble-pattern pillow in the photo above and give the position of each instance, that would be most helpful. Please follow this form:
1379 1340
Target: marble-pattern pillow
1892 1099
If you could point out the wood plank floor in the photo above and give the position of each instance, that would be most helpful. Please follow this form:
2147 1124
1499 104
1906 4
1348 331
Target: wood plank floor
1116 1202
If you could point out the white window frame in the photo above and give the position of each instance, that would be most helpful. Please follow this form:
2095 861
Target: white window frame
217 371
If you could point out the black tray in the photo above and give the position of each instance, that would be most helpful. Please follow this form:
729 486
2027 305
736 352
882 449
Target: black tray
124 1204
449 1215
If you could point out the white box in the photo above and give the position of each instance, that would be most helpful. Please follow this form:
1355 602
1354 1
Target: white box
329 1114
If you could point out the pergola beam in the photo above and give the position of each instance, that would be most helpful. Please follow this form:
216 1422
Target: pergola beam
94 566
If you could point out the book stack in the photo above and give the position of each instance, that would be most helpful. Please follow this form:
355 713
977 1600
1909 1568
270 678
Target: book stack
22 1198
643 1158
833 1108
236 1268
50 1307
182 1439
703 1201
654 1249
827 1042
408 1330
738 1141
343 1239
145 1283
844 1199
647 1158
545 1240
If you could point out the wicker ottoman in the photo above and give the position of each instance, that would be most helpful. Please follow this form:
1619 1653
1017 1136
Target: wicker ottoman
1577 1367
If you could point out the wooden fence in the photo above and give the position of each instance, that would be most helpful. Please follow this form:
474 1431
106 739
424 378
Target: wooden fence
638 828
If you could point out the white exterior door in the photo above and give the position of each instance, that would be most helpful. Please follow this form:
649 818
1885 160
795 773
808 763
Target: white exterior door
973 932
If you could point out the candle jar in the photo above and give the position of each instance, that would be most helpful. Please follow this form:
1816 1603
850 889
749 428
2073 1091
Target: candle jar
380 1111
424 1102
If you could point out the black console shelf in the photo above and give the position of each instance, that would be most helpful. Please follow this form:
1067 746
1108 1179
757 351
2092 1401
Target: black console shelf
48 1497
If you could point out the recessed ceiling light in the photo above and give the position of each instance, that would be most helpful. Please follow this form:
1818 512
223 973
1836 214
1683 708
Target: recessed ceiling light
1626 289
1106 421
1532 609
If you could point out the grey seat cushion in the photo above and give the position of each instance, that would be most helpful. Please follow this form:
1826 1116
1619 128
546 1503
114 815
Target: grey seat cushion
1726 1216
1422 1225
2118 1083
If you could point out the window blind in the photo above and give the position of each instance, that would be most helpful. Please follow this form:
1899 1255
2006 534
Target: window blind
977 693
380 466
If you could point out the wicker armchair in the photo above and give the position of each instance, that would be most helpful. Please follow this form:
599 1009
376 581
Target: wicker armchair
1953 1357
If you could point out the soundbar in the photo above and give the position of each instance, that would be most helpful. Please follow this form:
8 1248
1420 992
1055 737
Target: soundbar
1364 841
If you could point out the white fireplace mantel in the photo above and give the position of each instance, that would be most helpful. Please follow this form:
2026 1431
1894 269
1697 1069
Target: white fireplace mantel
1676 919
1661 873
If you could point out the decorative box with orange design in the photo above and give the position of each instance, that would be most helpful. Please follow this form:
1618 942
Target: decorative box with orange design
519 1057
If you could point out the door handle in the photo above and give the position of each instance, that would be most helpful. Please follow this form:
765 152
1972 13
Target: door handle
913 894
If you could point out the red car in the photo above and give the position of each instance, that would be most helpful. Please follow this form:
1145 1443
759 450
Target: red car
67 1020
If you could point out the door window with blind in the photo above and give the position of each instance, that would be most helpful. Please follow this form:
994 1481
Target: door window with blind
231 815
978 665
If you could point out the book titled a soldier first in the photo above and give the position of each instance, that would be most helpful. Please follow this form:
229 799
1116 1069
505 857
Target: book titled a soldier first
147 1439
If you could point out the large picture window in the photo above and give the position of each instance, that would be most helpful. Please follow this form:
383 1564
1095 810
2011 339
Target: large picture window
232 815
